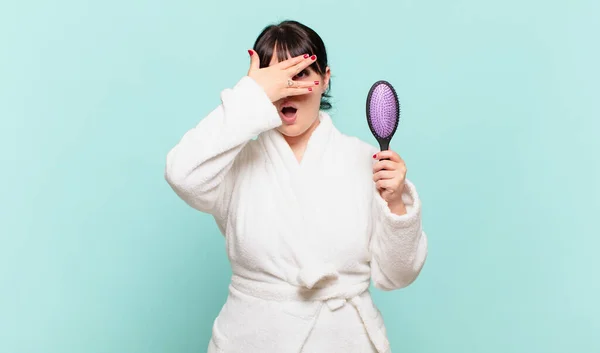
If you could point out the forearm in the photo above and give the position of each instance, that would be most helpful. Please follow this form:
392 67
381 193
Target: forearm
198 164
398 245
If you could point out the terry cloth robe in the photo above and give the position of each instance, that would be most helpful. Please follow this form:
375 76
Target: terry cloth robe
304 239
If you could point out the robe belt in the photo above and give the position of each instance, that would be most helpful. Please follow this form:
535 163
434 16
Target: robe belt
312 286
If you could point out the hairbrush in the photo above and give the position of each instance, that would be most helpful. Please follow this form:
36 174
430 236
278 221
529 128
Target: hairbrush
383 112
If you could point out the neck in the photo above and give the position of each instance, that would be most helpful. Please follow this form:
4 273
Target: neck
298 143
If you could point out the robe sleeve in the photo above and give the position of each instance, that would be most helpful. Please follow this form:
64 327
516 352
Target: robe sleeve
398 243
200 167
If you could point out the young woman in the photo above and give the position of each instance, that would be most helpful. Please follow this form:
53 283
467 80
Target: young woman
310 215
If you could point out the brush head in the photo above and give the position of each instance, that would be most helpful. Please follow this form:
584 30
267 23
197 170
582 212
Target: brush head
383 110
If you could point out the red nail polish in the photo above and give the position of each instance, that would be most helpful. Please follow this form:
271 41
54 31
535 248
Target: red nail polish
250 52
310 89
317 83
305 56
374 156
314 57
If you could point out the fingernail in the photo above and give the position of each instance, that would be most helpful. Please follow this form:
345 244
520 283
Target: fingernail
316 82
313 57
305 56
375 156
250 52
310 89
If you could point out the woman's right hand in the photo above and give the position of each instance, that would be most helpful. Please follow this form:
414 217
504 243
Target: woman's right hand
275 79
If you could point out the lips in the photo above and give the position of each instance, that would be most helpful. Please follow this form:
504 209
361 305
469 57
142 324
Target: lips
288 113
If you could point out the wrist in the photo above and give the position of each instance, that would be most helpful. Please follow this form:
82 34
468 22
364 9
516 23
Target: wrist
397 207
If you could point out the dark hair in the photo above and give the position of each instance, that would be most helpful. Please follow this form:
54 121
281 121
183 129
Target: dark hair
296 39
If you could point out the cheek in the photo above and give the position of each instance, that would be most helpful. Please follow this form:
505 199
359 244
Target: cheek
312 100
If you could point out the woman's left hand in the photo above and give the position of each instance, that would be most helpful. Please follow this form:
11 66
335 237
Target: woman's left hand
389 176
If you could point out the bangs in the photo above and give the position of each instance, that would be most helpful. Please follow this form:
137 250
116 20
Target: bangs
286 43
294 47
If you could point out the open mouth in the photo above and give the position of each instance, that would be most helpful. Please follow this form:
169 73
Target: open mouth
289 113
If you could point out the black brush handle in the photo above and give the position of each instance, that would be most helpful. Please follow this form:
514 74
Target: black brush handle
384 145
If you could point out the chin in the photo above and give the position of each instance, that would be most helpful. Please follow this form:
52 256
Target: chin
291 130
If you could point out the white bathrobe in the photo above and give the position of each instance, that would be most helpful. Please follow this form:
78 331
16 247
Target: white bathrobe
304 238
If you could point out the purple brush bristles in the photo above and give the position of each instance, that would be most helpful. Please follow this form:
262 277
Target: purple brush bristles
383 110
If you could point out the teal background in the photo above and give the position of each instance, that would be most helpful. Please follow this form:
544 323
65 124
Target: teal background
499 131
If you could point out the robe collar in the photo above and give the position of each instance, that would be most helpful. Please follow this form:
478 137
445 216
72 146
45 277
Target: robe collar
280 152
297 186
